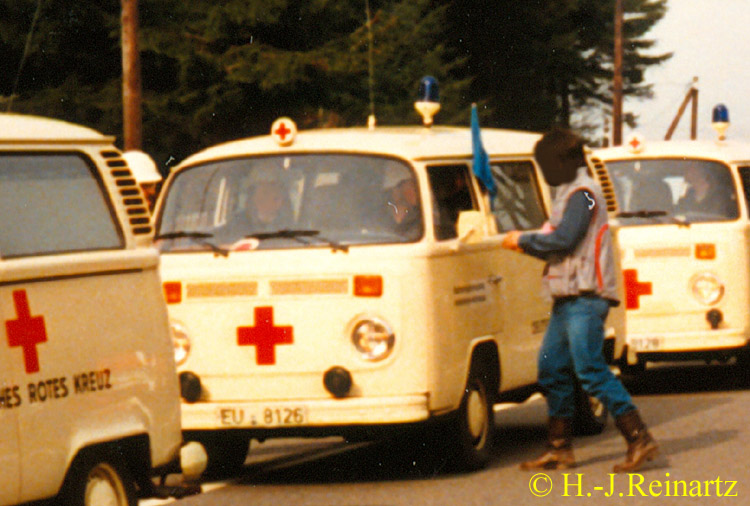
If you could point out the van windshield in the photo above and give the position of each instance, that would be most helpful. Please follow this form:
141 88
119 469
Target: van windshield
681 191
294 201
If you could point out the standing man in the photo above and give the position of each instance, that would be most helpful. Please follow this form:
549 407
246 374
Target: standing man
580 278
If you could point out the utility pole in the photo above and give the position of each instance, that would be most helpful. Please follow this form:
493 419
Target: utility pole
131 76
617 78
690 96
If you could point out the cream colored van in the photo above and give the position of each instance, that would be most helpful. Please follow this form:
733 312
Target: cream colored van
89 398
682 218
351 281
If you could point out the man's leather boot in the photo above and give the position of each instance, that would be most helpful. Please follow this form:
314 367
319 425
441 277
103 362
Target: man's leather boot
641 445
559 454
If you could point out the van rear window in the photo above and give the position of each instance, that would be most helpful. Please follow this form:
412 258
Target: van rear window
53 203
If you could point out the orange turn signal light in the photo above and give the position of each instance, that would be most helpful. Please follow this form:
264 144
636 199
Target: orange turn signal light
173 292
368 286
705 251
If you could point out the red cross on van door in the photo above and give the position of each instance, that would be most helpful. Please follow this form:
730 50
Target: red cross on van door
26 331
264 336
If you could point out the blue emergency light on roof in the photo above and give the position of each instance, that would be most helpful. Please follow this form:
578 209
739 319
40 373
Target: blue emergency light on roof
428 100
720 120
429 90
720 114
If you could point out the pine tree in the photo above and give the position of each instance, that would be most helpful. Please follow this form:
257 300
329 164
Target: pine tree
535 61
237 66
219 70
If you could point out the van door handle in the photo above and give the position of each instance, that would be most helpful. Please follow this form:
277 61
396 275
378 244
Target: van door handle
493 279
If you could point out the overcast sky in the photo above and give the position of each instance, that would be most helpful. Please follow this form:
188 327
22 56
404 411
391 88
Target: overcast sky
710 40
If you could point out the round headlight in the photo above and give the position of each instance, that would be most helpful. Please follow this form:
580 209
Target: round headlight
707 288
373 338
180 342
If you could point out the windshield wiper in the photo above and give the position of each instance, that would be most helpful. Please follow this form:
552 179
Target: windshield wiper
677 220
298 235
641 214
199 237
283 234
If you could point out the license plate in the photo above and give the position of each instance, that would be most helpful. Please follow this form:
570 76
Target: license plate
263 417
646 343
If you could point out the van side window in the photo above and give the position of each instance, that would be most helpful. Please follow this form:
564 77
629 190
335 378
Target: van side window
53 203
745 177
518 204
451 194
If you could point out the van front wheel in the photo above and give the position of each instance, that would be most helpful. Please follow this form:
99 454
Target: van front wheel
94 480
226 451
473 425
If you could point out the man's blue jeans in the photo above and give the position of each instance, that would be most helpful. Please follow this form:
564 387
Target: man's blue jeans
573 346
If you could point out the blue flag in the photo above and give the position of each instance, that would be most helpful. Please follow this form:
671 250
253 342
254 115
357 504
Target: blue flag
481 161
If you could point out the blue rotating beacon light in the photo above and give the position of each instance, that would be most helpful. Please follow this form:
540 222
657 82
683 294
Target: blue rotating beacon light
428 100
720 120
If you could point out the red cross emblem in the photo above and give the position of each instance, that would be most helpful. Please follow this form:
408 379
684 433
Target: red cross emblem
264 336
26 331
636 143
634 289
283 131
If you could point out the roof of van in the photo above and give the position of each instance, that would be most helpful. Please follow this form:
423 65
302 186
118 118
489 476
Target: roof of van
23 128
413 143
727 151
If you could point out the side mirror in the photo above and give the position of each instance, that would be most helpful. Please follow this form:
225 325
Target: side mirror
148 178
472 227
142 166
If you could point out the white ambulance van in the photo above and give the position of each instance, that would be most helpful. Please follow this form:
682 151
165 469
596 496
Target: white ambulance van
682 218
89 397
351 281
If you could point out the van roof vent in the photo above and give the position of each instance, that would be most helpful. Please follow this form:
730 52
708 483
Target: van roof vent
605 182
131 197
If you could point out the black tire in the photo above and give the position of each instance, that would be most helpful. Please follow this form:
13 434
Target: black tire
590 416
472 427
226 451
97 478
631 370
742 361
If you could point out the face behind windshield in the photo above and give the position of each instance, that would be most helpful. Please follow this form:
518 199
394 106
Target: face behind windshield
661 190
292 202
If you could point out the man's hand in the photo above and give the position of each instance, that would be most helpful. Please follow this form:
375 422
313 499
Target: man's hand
510 241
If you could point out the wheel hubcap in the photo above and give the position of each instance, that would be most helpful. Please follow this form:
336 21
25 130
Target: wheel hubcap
104 488
476 414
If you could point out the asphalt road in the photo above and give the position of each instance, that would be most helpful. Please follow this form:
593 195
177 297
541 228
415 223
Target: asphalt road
698 413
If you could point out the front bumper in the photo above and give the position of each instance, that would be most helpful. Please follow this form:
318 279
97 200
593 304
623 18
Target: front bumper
687 345
304 414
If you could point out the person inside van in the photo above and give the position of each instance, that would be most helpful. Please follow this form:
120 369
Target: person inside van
403 209
704 194
267 201
266 210
580 277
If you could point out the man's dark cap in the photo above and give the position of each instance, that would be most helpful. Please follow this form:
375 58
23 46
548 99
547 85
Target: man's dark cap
559 154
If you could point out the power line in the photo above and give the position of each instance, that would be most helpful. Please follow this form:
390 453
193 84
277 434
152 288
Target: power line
25 53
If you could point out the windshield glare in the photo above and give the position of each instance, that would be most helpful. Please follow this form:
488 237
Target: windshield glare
661 190
293 202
